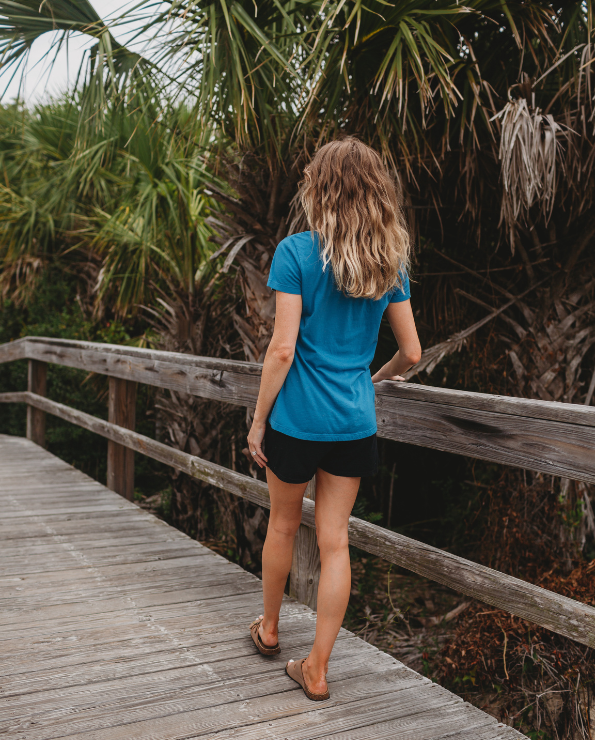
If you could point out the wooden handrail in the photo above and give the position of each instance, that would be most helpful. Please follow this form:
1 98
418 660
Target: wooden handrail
555 612
544 436
551 437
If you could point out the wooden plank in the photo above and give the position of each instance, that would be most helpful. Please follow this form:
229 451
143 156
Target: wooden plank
220 380
160 650
114 655
305 565
13 351
29 547
199 712
555 612
241 380
431 723
552 447
120 459
107 556
17 597
91 682
36 383
444 398
31 615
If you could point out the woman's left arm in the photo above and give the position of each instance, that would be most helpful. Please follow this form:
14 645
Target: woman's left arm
276 365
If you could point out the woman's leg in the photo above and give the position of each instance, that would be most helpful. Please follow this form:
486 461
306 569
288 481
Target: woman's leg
335 496
284 520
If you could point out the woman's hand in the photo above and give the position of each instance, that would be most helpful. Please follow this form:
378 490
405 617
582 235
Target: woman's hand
377 377
255 437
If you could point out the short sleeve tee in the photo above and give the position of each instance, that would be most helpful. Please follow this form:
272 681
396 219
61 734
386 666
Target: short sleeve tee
328 394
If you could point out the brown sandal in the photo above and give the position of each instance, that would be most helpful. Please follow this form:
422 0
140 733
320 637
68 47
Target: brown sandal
295 670
264 649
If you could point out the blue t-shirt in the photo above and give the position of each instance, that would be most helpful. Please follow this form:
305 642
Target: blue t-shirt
328 394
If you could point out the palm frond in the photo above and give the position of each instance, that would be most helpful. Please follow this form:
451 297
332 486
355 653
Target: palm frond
109 70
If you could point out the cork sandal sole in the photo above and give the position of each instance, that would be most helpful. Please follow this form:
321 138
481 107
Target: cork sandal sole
262 648
294 669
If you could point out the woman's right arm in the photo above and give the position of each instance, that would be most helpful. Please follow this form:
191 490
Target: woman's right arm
400 318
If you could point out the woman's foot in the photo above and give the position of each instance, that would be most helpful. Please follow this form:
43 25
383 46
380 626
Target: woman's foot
270 636
318 692
315 676
264 639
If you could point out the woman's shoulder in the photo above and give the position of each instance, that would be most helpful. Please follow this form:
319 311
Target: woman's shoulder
299 241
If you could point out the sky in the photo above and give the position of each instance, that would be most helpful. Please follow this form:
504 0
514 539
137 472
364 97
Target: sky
41 80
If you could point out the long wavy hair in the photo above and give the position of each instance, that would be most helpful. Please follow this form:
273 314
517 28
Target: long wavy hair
350 200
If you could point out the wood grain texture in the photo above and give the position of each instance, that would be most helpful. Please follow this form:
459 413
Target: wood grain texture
120 459
221 380
101 639
553 447
555 612
304 575
12 351
549 437
36 383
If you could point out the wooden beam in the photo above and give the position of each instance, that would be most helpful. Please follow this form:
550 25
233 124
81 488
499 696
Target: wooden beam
220 380
11 351
239 381
555 612
548 437
120 459
305 566
552 447
36 383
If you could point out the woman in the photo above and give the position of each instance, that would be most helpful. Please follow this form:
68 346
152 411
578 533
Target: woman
315 410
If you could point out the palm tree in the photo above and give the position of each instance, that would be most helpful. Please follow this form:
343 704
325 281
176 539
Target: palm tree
485 112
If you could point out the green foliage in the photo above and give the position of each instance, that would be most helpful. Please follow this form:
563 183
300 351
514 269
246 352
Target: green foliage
132 196
53 311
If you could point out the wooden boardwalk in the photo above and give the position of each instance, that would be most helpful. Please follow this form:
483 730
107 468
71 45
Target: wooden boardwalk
115 626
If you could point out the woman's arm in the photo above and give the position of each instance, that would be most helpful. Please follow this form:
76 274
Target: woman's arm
400 318
276 365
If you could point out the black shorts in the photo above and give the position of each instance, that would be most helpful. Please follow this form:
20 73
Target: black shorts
296 460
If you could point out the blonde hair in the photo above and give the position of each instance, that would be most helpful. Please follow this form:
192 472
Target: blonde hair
351 202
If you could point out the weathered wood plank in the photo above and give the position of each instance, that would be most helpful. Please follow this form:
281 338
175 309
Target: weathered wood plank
36 383
114 555
552 447
124 653
120 459
245 392
430 723
195 667
12 351
160 650
304 575
549 437
569 413
553 611
199 712
219 380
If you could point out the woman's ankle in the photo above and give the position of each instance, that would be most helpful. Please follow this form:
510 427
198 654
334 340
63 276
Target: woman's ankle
269 628
316 669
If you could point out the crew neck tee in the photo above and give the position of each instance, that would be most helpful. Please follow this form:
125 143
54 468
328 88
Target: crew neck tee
328 394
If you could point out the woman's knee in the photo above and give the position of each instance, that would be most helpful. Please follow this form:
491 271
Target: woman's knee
284 526
331 540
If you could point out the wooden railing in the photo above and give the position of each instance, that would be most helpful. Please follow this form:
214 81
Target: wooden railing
549 437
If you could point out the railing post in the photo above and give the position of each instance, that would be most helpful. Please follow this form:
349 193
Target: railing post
37 383
120 459
305 567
